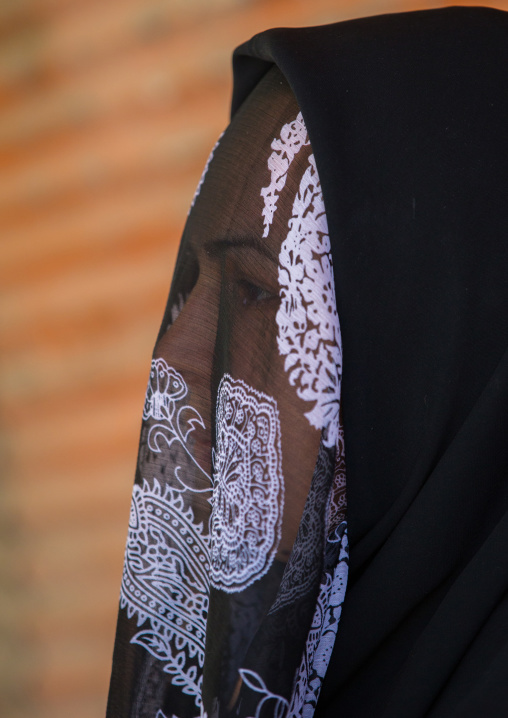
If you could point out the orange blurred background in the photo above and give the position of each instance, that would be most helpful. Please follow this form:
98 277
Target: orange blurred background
108 112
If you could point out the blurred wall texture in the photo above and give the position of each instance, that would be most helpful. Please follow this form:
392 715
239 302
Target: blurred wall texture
108 112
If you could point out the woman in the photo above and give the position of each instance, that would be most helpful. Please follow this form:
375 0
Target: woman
234 597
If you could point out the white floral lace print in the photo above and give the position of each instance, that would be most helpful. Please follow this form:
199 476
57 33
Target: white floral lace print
248 494
321 638
308 325
165 580
171 558
293 136
214 620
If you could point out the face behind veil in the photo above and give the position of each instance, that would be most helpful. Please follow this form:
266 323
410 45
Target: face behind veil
236 559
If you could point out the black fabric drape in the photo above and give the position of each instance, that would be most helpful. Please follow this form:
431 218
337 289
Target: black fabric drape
236 559
408 119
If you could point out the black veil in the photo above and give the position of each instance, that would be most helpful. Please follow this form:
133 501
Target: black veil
397 125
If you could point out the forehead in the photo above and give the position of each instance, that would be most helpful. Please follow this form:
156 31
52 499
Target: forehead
230 203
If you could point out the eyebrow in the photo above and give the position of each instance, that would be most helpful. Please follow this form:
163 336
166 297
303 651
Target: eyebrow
215 247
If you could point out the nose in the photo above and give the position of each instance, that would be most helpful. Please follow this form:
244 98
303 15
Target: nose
188 347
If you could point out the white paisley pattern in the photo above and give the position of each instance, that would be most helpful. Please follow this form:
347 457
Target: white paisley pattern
182 546
165 580
248 495
323 631
293 136
308 325
171 558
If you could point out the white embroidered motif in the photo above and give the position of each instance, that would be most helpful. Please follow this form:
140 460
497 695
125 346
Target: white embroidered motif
165 581
277 705
308 325
166 387
207 165
323 631
248 495
293 136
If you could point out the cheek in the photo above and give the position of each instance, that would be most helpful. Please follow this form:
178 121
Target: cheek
188 348
252 350
254 357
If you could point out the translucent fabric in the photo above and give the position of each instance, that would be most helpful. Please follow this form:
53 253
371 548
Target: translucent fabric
236 559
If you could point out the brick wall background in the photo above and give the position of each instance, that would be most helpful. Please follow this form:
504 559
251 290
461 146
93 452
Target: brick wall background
107 114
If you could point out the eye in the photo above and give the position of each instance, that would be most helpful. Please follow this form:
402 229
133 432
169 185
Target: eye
252 294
